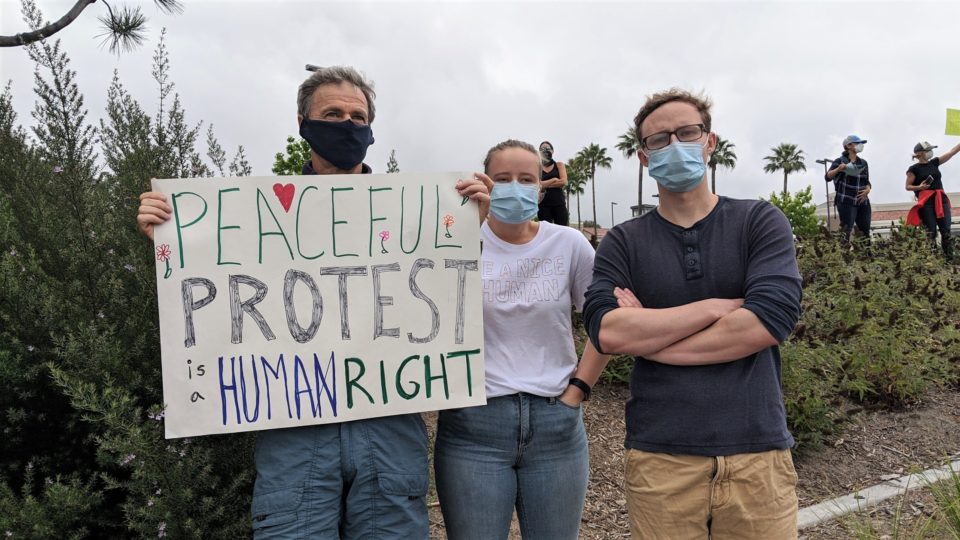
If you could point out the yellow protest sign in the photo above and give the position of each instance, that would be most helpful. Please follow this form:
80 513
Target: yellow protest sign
953 122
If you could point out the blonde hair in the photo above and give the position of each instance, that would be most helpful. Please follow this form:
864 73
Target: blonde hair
509 143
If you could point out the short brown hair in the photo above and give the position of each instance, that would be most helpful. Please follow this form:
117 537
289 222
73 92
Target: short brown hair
509 143
654 102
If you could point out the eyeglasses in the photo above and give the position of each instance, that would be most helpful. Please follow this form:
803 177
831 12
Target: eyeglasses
662 139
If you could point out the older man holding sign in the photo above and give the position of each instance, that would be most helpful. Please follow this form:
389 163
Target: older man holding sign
338 307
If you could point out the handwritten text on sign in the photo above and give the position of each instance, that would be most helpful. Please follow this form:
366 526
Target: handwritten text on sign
317 299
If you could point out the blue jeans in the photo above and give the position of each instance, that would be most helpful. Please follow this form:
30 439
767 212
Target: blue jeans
928 216
854 214
518 451
362 479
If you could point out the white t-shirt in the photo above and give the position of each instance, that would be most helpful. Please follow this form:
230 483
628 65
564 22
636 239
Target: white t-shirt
527 293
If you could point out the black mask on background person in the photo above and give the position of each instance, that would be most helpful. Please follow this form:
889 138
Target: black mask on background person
344 144
546 156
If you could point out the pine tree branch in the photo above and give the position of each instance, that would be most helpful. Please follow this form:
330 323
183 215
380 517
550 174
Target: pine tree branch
26 38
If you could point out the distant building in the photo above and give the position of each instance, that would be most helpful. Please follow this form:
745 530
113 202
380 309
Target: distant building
636 211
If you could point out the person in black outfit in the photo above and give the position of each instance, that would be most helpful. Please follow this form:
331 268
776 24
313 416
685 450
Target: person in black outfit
553 176
933 206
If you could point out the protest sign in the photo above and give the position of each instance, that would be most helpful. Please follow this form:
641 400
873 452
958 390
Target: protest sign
316 299
953 122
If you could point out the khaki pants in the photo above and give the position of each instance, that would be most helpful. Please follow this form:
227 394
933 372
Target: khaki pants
675 497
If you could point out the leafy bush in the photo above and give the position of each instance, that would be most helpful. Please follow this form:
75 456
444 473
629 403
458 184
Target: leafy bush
800 211
879 326
83 453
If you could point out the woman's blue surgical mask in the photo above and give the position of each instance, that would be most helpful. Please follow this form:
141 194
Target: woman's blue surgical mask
678 167
511 202
344 144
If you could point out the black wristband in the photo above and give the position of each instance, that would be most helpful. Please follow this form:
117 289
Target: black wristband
583 386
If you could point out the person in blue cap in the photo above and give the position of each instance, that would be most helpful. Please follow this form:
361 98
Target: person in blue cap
851 179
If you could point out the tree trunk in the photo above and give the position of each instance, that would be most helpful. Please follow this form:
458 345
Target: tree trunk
579 220
27 38
784 182
640 191
713 179
593 195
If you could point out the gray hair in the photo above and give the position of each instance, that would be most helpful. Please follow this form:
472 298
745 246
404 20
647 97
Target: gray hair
334 75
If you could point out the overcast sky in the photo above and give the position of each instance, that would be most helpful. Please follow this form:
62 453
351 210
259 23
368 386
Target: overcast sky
454 78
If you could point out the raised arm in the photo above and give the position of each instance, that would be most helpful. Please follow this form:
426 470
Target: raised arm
949 154
771 305
477 189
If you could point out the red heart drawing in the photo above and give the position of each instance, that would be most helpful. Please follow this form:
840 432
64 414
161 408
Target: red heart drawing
285 194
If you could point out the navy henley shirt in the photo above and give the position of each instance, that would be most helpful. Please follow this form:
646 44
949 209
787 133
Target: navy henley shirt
742 249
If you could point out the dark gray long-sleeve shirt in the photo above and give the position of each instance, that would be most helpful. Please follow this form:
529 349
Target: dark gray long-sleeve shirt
742 249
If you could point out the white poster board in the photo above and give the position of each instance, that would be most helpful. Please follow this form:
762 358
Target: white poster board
299 300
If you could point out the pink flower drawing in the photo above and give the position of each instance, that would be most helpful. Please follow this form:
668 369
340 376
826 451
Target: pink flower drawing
163 255
384 236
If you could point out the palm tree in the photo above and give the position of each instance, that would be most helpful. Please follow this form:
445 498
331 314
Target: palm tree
722 156
630 146
576 183
786 157
594 156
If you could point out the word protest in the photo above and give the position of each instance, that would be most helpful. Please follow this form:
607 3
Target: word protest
317 299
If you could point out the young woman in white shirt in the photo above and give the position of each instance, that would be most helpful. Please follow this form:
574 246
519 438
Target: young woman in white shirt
526 449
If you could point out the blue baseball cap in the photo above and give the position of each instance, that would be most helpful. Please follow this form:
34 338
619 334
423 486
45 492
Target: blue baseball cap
853 139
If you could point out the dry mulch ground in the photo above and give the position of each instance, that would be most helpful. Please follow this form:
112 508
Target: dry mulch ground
874 444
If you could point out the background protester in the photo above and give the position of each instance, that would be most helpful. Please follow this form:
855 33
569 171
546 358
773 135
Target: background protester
553 206
851 179
526 449
933 208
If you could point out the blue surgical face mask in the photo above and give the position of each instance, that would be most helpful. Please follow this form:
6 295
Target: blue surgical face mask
344 144
858 148
513 203
678 167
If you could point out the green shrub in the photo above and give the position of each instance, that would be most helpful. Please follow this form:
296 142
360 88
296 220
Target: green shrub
79 347
800 211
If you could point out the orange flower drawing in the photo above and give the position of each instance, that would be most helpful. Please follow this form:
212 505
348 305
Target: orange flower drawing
447 222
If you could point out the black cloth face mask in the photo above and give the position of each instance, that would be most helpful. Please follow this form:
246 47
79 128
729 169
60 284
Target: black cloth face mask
344 144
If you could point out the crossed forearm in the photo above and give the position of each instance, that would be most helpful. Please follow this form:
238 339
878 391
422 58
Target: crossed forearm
643 331
732 337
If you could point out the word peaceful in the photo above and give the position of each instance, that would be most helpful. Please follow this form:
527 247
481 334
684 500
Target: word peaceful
317 299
